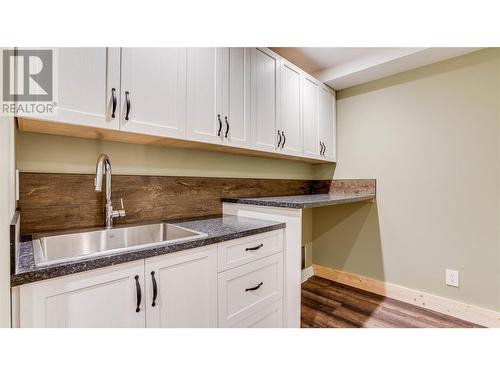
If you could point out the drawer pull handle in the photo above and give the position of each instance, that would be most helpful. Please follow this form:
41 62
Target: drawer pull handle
255 287
227 126
139 293
155 288
254 248
113 95
220 125
127 102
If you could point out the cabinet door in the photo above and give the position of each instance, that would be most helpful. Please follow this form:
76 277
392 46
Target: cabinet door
310 98
186 284
291 109
265 98
236 97
205 79
154 91
85 79
104 298
327 129
269 317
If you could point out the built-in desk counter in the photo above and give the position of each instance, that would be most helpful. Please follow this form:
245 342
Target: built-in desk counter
289 209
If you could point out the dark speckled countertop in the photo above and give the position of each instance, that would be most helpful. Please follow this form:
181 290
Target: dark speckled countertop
218 229
303 201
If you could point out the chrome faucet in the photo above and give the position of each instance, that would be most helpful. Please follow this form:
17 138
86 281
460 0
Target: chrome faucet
103 162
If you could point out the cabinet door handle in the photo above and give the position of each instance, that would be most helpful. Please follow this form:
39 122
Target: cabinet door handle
227 126
220 125
320 148
155 288
127 101
284 139
113 98
324 148
279 139
254 248
255 287
139 293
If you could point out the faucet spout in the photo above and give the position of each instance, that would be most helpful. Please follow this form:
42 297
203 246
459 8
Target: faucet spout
104 166
102 163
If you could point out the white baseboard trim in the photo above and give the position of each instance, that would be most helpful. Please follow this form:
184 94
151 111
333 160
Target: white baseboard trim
460 310
307 273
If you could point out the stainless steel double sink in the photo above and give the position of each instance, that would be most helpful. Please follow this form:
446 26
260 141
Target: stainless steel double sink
67 247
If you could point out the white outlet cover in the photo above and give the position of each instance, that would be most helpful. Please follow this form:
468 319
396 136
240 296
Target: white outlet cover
452 278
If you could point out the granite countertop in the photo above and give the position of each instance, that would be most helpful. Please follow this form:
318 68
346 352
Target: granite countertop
303 201
218 229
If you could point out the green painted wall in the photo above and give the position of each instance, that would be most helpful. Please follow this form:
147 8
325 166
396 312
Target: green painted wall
49 153
431 138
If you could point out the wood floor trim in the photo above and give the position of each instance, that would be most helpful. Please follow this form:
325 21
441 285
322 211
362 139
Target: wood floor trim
460 310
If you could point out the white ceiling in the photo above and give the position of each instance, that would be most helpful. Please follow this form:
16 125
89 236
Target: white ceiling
349 66
317 58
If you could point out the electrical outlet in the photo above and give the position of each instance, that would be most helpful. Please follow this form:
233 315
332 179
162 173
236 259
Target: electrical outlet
452 278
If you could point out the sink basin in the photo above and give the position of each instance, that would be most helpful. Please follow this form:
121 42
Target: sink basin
60 248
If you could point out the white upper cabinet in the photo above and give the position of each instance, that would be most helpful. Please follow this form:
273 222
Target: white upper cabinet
265 99
205 80
182 289
249 98
236 97
327 124
310 99
153 91
87 80
291 109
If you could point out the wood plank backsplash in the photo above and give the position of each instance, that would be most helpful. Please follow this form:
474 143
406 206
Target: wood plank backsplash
59 201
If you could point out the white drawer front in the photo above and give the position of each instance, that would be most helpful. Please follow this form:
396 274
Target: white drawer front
245 290
245 250
269 317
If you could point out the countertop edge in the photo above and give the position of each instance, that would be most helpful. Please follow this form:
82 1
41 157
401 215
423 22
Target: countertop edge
340 200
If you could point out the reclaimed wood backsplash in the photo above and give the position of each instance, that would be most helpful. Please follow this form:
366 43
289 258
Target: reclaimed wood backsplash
59 201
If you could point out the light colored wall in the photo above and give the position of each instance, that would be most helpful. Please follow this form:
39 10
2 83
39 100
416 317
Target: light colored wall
49 153
6 211
431 138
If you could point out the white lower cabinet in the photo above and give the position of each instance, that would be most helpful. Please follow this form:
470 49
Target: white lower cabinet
181 289
106 298
178 290
270 316
244 290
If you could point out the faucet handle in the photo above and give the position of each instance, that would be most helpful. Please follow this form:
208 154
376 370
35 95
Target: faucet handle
121 212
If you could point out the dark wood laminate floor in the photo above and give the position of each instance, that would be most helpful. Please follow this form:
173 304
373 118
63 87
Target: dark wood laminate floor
327 304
